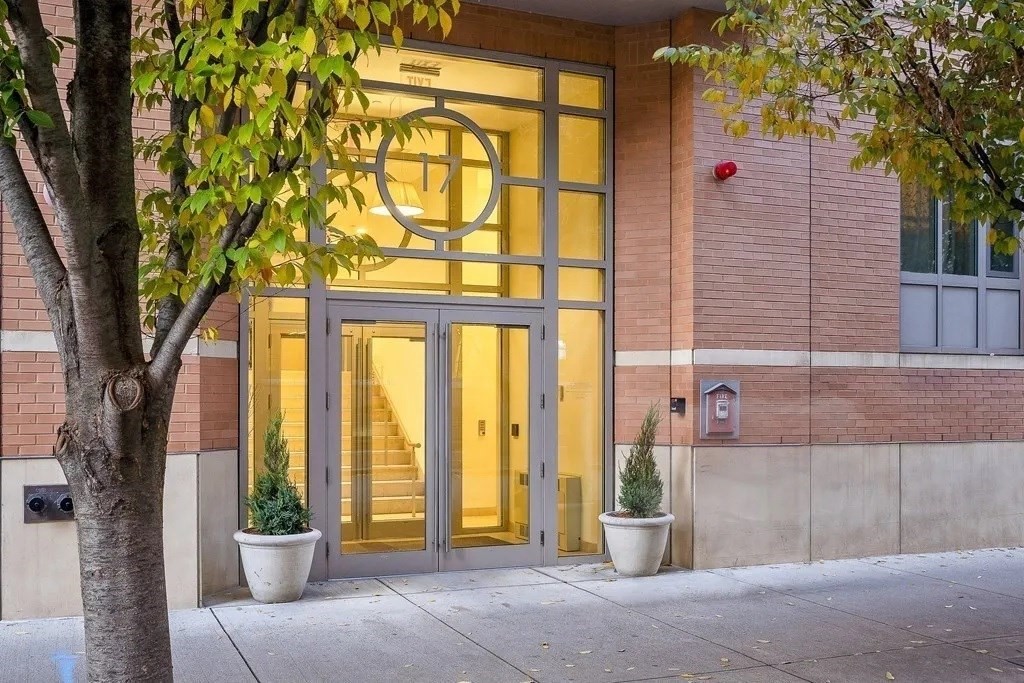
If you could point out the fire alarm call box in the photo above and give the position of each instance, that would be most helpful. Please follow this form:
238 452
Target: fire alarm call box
720 409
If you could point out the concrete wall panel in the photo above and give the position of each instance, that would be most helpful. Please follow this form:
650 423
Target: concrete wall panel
962 495
751 506
218 520
854 501
39 562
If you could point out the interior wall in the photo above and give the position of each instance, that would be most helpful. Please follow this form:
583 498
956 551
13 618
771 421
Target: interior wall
581 412
401 369
477 379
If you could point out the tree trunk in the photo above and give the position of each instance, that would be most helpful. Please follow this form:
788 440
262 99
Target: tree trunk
116 476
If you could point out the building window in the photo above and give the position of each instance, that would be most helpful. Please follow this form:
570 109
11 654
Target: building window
957 294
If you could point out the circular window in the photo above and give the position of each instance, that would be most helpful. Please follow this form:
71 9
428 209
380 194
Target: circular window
414 188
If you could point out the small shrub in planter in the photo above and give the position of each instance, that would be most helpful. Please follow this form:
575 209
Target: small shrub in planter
277 550
638 531
275 506
640 485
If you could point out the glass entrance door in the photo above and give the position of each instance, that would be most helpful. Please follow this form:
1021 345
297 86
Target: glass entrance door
434 440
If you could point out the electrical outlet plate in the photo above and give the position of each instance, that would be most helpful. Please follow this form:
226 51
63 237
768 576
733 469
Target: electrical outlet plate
52 495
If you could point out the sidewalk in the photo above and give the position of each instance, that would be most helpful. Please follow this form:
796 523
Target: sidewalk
918 618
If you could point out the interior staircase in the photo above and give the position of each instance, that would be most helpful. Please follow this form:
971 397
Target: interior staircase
397 482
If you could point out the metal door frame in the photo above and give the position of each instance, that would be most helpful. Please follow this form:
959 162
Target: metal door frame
378 564
526 554
438 555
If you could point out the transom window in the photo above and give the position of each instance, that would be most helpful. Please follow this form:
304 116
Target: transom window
957 294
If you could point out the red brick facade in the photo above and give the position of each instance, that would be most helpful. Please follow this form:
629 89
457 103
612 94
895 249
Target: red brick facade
797 253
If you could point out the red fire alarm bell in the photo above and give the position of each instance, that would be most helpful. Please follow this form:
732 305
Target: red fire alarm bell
725 169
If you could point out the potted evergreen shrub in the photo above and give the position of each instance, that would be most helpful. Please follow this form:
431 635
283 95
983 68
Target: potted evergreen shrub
638 531
277 550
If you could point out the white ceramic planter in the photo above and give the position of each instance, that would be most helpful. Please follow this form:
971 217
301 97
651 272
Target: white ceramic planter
276 567
636 544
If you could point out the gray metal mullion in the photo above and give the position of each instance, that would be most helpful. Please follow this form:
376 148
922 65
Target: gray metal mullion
522 181
608 471
244 360
549 348
585 112
317 386
981 268
939 268
582 305
373 298
463 256
589 264
592 188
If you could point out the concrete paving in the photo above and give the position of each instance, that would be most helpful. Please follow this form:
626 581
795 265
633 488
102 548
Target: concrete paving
910 619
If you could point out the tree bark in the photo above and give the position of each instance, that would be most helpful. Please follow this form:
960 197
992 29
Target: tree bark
113 449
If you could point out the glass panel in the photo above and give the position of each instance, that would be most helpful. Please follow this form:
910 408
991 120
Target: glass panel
917 229
580 225
580 284
520 133
490 457
447 72
277 380
515 226
581 437
383 104
429 276
959 245
369 220
580 150
383 422
999 262
581 90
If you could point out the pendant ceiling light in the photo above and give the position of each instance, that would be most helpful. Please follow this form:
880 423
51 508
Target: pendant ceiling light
407 201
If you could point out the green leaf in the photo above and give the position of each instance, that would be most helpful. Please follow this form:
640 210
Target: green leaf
381 12
362 17
206 116
39 118
307 43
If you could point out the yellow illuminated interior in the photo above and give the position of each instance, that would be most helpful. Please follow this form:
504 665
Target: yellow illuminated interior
277 379
384 500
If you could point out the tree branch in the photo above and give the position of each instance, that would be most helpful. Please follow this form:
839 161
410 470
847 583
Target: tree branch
51 148
47 267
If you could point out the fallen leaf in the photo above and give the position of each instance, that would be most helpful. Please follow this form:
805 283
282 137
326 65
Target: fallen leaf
889 676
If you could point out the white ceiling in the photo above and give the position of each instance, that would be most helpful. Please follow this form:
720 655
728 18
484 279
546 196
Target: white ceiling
611 12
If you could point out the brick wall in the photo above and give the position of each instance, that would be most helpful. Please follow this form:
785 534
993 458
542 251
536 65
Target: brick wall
31 385
796 253
642 288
